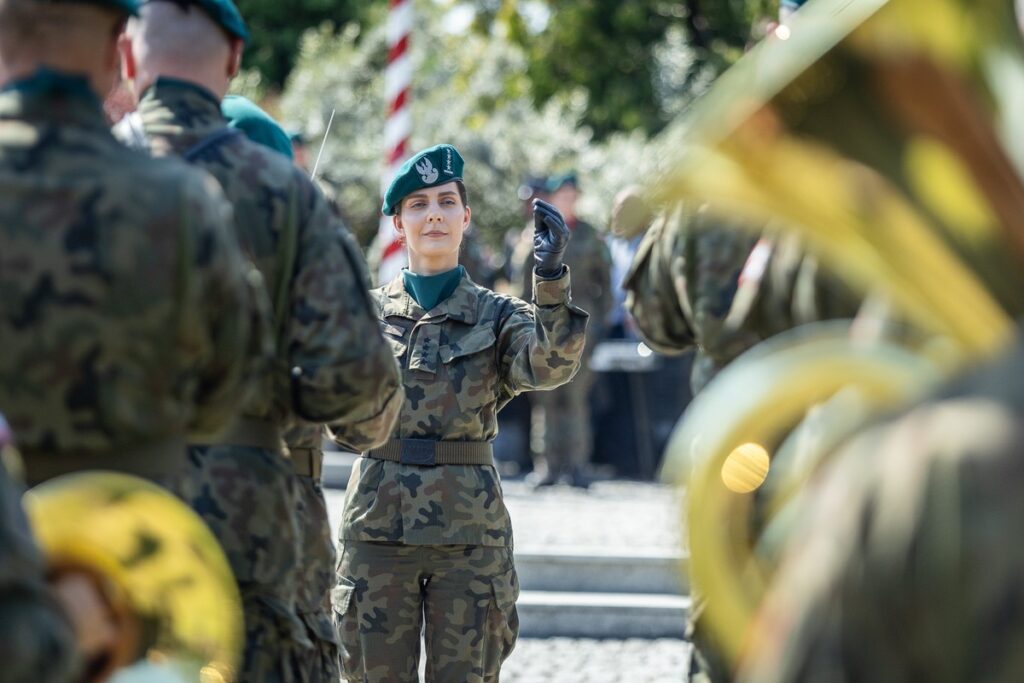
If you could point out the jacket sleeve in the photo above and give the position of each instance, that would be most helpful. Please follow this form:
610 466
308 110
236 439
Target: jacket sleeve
225 312
343 372
655 297
541 344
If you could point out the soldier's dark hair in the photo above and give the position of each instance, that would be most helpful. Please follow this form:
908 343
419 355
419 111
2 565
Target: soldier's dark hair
463 192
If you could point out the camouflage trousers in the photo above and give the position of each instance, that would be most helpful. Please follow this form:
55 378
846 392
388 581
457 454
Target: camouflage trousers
462 598
560 435
247 496
316 578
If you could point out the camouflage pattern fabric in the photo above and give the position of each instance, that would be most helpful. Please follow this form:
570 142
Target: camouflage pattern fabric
682 285
461 597
462 362
317 565
332 366
570 445
37 644
908 565
125 308
335 367
248 497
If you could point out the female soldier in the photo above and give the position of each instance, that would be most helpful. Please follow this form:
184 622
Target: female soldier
425 536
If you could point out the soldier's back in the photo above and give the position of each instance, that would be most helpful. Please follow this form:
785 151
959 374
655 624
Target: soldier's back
113 267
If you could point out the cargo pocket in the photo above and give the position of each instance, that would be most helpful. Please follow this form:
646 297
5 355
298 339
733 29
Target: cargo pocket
346 627
502 623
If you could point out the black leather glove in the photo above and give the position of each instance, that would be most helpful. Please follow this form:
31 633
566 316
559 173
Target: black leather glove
550 237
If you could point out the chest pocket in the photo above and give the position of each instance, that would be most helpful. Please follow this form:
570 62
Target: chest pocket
472 367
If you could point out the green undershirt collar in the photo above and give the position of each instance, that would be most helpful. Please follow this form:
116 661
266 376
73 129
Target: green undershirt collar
430 290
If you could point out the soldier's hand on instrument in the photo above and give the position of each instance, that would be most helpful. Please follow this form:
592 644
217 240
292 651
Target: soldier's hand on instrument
550 237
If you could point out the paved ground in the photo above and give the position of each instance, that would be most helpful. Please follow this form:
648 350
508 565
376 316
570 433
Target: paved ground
597 661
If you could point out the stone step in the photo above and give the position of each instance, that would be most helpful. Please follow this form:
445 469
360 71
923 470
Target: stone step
553 614
602 570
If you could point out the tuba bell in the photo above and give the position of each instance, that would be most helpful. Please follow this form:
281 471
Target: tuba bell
169 589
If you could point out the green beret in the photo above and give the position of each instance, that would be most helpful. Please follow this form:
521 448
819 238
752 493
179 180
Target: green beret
223 12
257 124
557 181
433 166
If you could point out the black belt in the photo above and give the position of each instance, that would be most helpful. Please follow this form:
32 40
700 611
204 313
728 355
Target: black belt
429 452
244 431
308 462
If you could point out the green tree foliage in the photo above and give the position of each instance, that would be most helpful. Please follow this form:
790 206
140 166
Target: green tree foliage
612 50
277 28
470 90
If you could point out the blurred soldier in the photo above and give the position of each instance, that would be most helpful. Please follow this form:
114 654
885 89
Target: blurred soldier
908 566
332 364
305 449
682 286
125 308
36 639
560 432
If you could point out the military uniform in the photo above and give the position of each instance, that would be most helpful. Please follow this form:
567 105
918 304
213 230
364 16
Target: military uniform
125 311
318 559
682 285
907 566
701 281
434 543
37 643
331 365
560 432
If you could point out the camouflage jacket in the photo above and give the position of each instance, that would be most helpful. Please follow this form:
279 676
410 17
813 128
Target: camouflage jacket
462 362
908 563
333 366
681 286
125 308
588 257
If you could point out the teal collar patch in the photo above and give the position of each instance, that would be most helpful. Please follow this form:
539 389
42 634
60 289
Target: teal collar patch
430 290
460 305
55 97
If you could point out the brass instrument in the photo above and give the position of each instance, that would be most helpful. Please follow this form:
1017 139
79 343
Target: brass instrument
879 130
158 567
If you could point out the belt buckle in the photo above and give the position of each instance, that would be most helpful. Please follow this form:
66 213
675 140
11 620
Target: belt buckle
418 452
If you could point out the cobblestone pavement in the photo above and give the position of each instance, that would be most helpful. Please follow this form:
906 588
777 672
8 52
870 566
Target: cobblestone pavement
572 660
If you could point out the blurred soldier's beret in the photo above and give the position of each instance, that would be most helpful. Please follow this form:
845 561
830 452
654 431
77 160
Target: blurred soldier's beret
296 137
433 166
257 124
556 182
223 12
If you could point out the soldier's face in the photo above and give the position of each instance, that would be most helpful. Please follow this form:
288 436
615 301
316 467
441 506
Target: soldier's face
433 221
